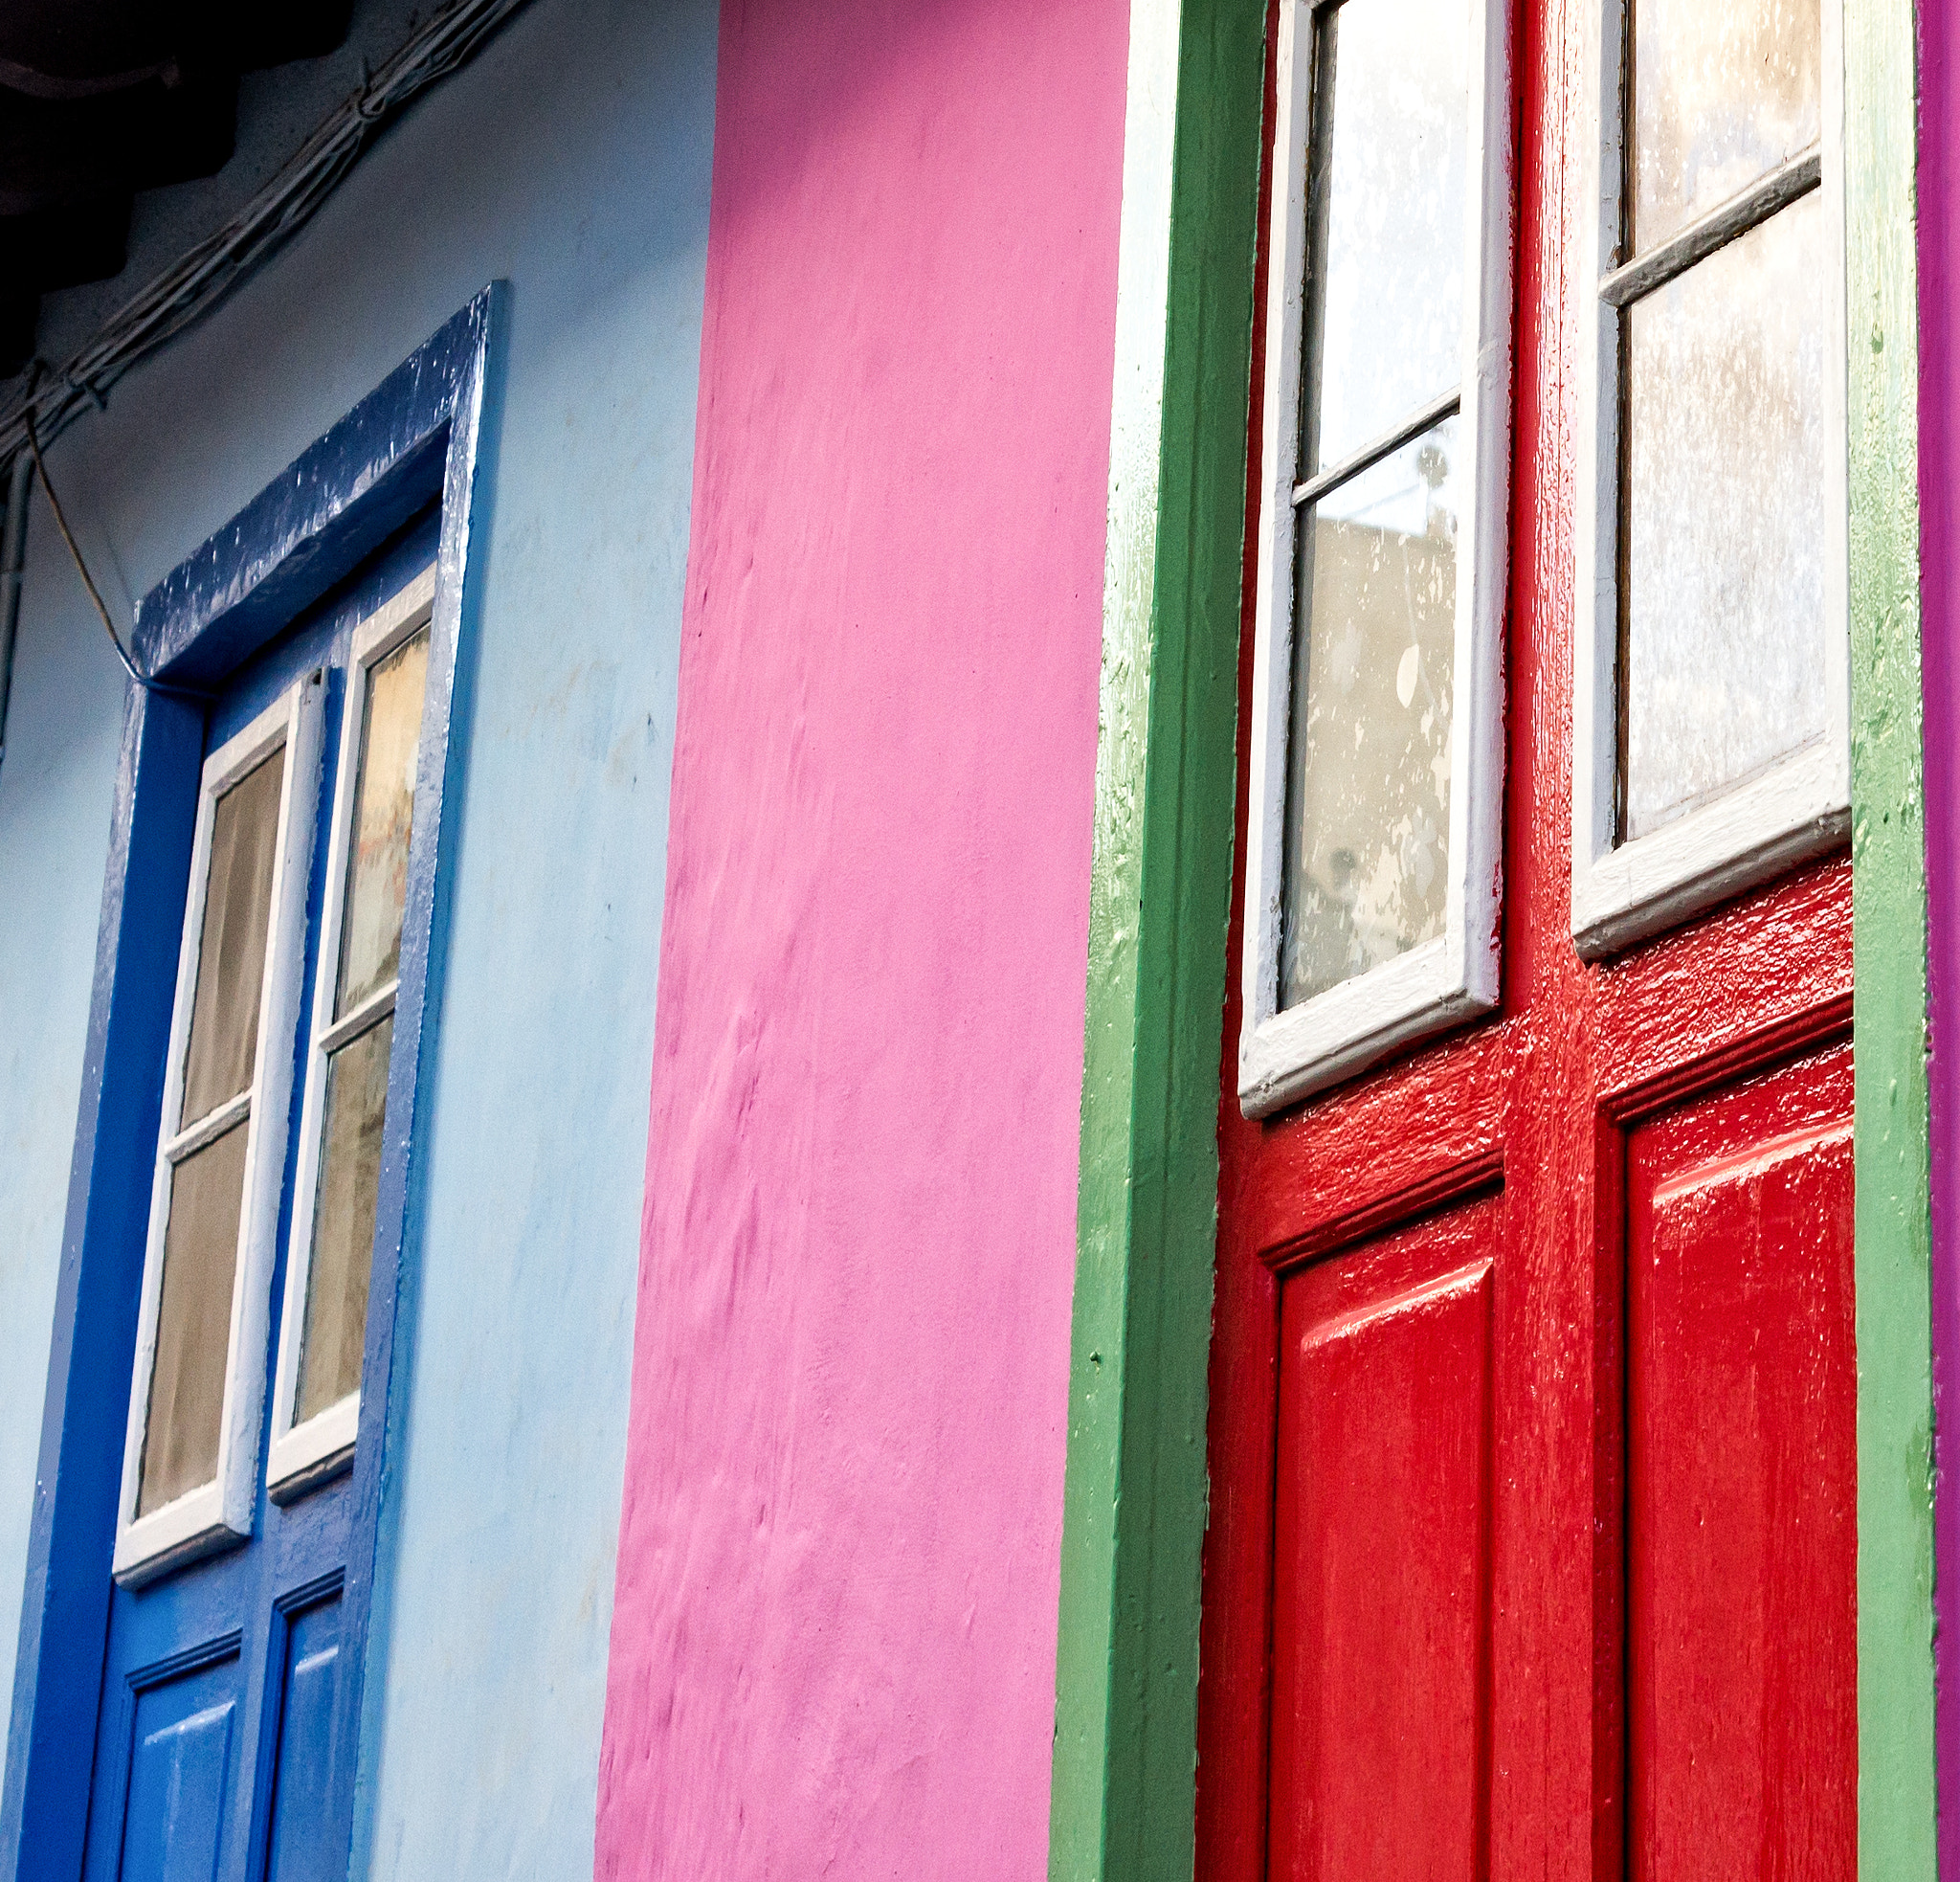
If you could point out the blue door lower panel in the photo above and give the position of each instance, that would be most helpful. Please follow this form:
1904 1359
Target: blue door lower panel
184 1744
303 1770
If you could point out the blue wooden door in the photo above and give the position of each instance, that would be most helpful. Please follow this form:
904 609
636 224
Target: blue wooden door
223 1746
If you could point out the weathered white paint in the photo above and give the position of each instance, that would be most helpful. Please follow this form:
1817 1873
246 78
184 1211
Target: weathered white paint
1286 1055
1623 892
221 1511
298 1456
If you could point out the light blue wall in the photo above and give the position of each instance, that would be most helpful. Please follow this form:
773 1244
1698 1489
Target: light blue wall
572 160
56 785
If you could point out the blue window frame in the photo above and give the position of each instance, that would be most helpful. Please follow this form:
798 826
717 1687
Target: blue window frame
276 595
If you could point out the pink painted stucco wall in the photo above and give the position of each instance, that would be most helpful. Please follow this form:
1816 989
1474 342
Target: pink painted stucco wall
833 1639
1939 456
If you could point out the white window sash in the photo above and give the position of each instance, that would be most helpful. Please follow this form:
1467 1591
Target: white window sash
221 1511
1625 892
1286 1055
303 1455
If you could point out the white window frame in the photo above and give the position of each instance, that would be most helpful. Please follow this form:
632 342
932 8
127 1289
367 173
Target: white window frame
1625 892
221 1511
303 1455
1286 1054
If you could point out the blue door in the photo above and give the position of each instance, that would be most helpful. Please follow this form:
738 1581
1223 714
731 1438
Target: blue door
223 1743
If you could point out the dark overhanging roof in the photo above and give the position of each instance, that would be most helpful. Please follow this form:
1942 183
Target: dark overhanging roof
99 99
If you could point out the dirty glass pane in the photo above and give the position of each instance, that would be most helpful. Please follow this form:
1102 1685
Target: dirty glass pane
336 1322
1392 188
1725 591
1368 816
1724 90
384 798
231 955
186 1392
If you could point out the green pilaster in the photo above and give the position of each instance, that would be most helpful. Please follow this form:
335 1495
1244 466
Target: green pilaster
1126 1671
1895 1552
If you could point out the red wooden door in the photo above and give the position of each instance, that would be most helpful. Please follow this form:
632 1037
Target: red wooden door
1533 1539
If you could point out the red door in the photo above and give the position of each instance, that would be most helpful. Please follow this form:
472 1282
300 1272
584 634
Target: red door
1532 1541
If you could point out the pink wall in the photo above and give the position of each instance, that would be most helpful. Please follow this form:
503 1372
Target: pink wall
834 1642
1939 458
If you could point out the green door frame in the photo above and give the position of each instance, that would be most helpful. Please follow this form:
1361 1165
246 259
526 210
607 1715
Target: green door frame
1123 1792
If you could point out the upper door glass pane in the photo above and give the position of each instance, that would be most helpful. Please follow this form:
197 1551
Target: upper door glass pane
1724 90
336 1312
1725 603
187 1388
383 805
231 951
1386 196
1369 799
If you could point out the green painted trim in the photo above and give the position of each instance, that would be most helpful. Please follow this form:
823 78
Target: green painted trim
1126 1732
1895 1501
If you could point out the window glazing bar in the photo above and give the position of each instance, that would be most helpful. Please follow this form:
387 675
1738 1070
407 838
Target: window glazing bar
1721 226
1414 425
214 1124
377 1006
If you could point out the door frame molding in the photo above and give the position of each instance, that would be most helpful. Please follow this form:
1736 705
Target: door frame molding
413 442
1895 1747
1122 1796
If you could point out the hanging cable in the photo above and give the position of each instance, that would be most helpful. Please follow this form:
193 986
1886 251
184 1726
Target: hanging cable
191 286
12 561
88 581
187 290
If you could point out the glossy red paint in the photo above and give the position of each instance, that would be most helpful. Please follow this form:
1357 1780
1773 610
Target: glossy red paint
1742 1484
1507 1144
1380 1610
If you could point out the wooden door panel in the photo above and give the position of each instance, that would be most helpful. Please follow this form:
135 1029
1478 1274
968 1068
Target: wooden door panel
1381 1579
1741 1485
303 1768
182 1753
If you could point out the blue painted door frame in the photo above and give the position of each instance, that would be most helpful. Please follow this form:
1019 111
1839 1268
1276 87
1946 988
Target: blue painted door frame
216 1740
411 445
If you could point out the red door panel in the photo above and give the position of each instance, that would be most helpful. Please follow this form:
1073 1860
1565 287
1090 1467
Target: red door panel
1742 1486
1380 1587
1532 1427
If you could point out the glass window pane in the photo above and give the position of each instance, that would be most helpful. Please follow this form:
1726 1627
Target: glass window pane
186 1392
336 1323
1391 331
1724 90
231 954
1724 590
1367 822
383 799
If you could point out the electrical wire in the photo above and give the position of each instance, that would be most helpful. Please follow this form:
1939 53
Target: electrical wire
198 281
188 289
88 581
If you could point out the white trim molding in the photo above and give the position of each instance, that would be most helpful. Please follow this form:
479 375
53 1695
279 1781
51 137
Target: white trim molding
1624 892
1287 1054
300 1456
219 1512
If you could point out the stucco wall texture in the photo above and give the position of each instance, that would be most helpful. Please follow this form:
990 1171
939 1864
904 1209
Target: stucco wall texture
571 160
833 1644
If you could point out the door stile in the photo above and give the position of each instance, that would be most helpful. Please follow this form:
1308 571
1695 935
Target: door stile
1718 1034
